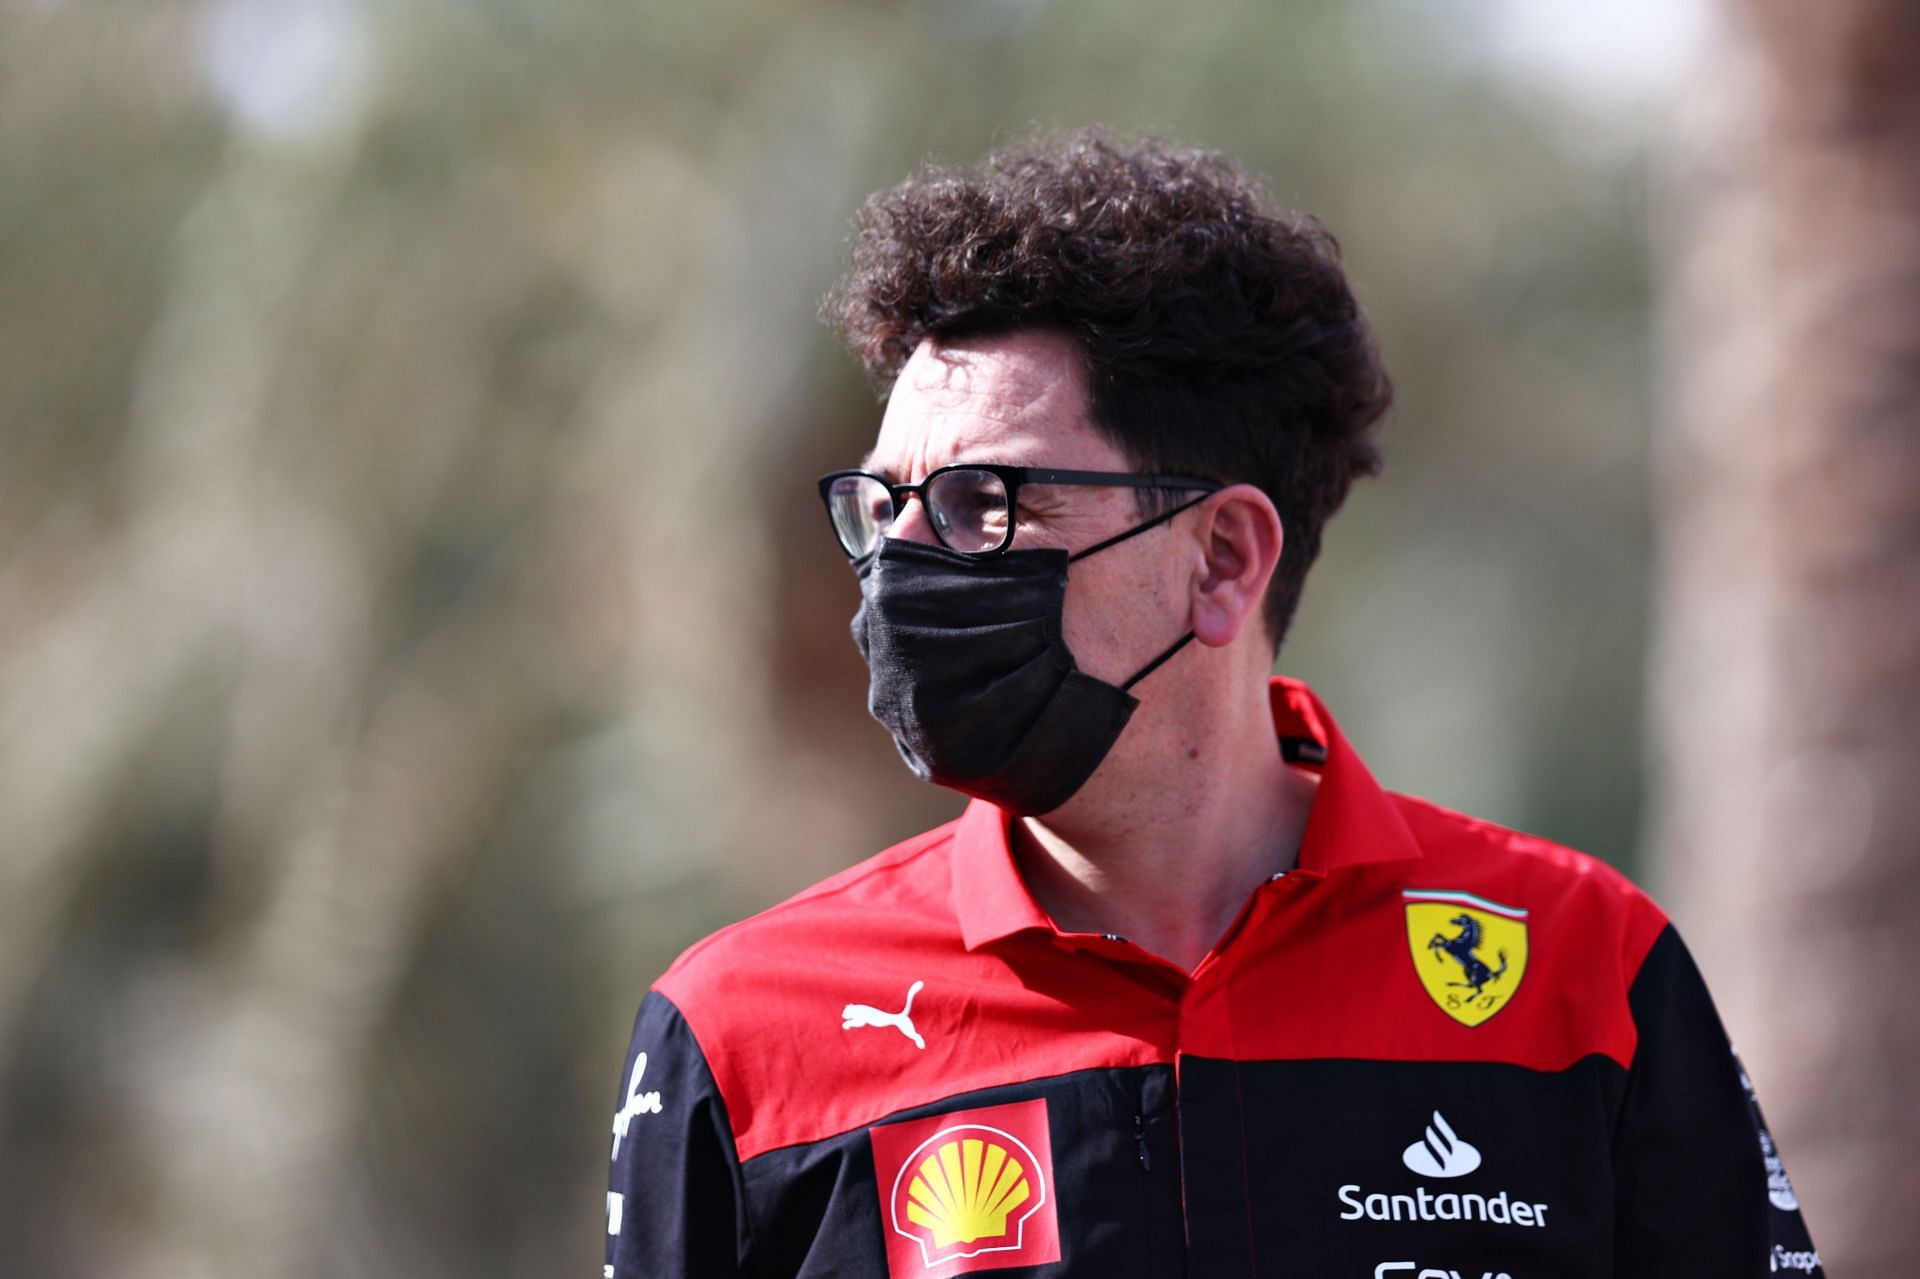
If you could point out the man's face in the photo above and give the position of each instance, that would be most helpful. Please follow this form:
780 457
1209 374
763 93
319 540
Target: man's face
1020 400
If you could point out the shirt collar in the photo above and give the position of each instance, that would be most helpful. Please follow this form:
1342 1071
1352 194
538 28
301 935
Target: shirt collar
1353 822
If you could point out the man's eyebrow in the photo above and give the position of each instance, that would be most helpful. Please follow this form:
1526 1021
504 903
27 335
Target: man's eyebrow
866 464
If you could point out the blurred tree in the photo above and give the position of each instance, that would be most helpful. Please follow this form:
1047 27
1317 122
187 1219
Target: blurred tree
1787 686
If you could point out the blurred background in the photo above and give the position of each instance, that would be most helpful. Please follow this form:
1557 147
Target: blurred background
417 623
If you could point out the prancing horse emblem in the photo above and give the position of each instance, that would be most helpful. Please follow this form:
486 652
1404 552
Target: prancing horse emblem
855 1016
1469 953
1462 947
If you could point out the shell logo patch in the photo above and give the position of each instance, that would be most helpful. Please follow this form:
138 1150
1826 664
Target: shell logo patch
1469 953
968 1190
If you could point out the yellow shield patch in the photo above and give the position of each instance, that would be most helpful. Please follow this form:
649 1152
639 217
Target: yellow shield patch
1470 953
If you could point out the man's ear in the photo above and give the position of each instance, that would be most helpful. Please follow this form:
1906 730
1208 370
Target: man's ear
1240 539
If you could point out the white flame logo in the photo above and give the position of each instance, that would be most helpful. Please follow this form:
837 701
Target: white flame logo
1441 1153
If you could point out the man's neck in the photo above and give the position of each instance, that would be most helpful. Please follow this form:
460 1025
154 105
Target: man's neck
1167 858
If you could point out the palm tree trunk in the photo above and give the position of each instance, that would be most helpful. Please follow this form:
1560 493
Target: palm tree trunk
1786 686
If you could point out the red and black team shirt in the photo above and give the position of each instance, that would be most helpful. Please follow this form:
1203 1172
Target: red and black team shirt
1437 1049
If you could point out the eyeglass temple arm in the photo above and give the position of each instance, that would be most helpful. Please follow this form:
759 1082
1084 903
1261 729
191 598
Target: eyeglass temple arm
1122 536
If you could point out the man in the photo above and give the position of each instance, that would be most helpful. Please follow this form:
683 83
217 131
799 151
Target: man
1184 991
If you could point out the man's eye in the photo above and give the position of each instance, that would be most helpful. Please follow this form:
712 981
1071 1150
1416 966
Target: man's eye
979 511
970 504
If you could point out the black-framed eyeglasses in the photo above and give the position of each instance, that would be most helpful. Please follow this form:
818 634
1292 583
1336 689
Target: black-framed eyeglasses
973 507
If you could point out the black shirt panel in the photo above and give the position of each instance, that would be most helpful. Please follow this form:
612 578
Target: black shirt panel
1692 1157
818 1210
674 1199
1482 1168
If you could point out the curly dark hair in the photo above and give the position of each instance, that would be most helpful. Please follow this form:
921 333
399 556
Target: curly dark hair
1220 339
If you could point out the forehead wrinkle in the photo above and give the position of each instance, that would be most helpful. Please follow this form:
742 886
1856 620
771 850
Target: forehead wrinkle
1030 404
1049 369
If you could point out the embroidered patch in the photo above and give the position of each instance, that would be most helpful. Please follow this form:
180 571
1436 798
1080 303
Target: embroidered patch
1469 953
966 1191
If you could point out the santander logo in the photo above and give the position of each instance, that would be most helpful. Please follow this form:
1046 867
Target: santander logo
1440 1153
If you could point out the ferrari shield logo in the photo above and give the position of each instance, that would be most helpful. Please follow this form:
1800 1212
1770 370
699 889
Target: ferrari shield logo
1470 953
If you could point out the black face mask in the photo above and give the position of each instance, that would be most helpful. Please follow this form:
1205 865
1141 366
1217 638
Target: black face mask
970 675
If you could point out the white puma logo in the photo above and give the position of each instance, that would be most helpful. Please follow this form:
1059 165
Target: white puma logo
855 1016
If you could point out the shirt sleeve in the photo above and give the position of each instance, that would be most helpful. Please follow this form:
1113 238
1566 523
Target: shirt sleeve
1699 1187
674 1191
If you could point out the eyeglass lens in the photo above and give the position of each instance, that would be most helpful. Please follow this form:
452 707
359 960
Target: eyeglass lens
861 509
967 508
